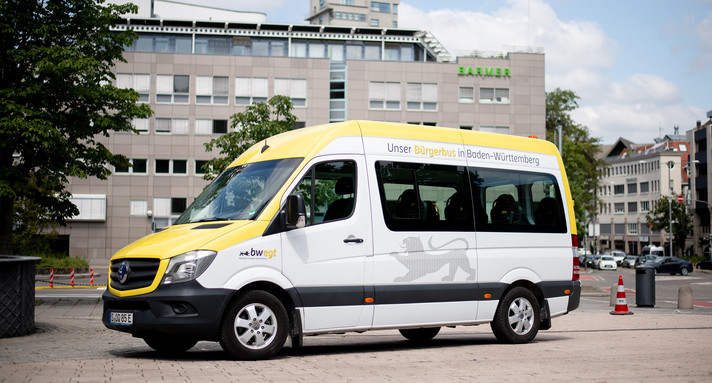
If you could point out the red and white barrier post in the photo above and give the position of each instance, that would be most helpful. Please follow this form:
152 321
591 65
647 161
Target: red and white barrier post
91 277
51 278
71 277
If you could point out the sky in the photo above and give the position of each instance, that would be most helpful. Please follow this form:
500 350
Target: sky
640 67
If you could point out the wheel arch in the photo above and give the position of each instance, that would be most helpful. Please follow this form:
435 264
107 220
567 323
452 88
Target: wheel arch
544 314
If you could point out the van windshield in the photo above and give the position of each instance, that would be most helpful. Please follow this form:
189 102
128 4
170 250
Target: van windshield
240 192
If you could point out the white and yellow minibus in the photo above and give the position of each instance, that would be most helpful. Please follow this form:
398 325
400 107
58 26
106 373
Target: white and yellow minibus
358 226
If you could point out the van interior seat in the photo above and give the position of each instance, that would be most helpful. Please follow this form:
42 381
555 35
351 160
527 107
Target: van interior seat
342 207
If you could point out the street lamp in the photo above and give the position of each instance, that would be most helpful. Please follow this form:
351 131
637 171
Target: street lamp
670 165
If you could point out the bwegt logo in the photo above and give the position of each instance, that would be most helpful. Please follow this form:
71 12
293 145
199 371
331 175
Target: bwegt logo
269 254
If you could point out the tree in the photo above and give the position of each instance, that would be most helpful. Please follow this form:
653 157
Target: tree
56 98
579 153
258 122
659 219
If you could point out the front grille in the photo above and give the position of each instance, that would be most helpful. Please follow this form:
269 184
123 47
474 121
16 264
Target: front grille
141 273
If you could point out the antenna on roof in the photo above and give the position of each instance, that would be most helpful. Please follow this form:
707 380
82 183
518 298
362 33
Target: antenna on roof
265 147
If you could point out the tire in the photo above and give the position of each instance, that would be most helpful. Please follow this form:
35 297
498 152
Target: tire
169 344
420 335
684 271
517 317
255 326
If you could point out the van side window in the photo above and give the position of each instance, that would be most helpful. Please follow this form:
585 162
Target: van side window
424 197
516 201
329 191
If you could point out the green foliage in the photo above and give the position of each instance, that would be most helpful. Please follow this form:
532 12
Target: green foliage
56 98
54 262
579 153
258 122
659 219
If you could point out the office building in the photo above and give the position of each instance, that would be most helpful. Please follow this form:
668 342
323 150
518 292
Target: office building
196 72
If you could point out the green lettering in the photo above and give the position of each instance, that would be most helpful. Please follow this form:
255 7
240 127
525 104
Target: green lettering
506 72
479 71
498 72
460 70
470 71
488 71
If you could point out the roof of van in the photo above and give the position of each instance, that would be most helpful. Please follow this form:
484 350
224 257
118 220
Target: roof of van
303 142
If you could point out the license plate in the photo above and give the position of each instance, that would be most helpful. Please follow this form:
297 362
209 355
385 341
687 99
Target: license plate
123 319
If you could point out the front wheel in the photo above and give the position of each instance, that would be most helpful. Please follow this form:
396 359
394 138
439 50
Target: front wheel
255 327
420 335
517 317
684 271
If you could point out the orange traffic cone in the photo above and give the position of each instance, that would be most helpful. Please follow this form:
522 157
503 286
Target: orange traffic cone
621 303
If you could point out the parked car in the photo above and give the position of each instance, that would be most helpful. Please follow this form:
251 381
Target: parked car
629 261
705 264
617 255
607 262
596 259
672 265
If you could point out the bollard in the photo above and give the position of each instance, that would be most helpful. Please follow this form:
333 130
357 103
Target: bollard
614 294
51 278
91 277
684 298
71 277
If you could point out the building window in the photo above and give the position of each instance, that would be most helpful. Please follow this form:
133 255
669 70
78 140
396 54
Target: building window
296 89
632 207
172 125
249 90
618 189
377 6
619 207
395 9
208 127
167 210
172 88
374 22
199 165
421 96
644 188
141 124
211 90
171 166
139 208
632 228
644 206
633 189
141 83
494 95
384 95
495 129
138 166
466 94
92 207
212 45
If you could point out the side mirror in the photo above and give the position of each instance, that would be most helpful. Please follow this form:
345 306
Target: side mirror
295 212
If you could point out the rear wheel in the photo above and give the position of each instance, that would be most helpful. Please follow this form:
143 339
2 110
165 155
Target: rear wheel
255 327
169 344
420 334
517 317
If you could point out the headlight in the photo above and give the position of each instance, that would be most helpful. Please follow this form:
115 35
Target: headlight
188 266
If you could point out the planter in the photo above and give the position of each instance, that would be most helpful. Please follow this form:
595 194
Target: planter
17 295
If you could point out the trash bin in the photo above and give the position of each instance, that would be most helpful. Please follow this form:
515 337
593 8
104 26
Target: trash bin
645 285
17 295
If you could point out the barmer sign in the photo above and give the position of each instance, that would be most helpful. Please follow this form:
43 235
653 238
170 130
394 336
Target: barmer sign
482 71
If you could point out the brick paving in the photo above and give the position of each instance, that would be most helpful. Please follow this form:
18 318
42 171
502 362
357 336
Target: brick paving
72 345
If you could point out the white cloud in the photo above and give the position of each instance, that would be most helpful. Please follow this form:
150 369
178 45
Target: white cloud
703 34
578 55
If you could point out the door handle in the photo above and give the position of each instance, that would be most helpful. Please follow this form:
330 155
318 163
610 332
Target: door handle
352 239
